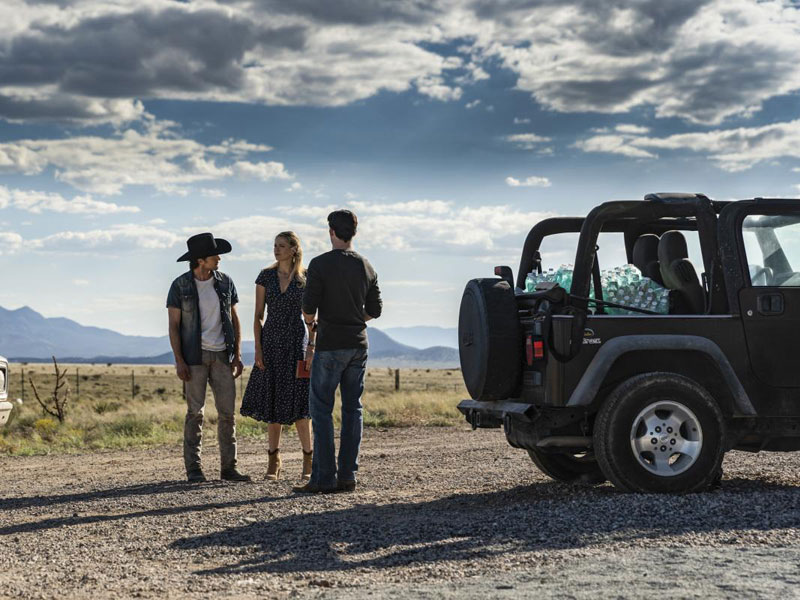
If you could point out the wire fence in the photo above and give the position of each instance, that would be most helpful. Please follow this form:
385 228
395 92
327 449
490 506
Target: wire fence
90 382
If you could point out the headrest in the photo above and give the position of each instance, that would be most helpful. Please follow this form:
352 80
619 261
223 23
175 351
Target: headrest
671 247
645 250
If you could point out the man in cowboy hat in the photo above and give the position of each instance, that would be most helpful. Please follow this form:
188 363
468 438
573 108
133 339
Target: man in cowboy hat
205 337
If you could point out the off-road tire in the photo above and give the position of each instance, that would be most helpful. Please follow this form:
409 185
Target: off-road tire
614 438
568 469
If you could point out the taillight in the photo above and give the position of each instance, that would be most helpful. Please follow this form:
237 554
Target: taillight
534 349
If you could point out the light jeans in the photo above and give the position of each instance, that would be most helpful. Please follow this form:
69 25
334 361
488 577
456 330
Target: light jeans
330 369
216 370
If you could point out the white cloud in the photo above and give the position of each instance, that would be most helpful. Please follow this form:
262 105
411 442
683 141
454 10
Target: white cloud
630 128
472 104
419 225
734 149
38 202
532 181
521 121
10 242
263 170
155 156
80 282
433 207
613 144
213 192
115 239
527 141
296 186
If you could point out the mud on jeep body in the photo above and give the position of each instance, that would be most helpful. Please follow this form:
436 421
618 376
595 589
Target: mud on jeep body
648 401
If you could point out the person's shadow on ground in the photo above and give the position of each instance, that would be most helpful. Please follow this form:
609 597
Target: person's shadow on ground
536 517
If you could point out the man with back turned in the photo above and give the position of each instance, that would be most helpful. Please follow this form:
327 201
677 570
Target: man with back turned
342 292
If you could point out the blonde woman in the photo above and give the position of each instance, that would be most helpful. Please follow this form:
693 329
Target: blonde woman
274 394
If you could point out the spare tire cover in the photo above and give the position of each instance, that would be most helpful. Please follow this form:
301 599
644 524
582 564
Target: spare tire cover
489 339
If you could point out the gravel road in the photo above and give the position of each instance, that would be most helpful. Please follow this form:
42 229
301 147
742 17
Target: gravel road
439 513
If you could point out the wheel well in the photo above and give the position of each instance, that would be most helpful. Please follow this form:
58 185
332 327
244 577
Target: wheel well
697 366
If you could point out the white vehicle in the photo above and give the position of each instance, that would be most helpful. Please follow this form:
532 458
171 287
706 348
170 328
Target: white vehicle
5 405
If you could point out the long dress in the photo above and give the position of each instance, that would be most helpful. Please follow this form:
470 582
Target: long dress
274 394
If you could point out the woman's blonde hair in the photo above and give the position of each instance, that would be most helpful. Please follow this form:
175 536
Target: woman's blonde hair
298 270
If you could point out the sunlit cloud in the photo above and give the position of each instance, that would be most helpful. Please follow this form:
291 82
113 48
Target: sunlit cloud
532 181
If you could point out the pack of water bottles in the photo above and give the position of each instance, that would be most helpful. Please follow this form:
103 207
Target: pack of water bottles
623 285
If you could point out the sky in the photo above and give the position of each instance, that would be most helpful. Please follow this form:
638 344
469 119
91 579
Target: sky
450 127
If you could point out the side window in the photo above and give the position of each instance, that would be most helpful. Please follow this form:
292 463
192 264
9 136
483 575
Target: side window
559 249
772 248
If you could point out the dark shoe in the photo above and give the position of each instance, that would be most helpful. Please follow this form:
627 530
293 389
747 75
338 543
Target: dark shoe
346 486
195 476
234 475
313 488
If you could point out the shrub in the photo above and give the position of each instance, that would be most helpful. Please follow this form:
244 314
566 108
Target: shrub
131 426
105 406
45 427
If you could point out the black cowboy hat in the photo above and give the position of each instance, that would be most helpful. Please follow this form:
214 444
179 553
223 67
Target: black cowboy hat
205 244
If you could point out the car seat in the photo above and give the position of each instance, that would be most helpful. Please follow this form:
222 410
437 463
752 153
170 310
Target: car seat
645 257
679 274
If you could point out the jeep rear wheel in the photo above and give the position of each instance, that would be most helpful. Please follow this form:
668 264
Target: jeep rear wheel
660 432
568 468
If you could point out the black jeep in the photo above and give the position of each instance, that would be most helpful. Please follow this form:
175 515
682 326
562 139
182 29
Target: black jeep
648 401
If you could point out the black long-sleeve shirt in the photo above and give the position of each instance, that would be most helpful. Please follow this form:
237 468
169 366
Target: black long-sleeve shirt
342 285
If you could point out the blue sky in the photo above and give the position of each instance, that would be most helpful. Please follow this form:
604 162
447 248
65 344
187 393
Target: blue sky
450 127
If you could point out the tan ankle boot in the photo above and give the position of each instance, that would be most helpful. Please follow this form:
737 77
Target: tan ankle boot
274 466
307 456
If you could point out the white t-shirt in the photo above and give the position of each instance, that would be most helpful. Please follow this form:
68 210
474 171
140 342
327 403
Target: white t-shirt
211 337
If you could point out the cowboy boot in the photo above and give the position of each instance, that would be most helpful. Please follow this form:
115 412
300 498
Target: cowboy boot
307 456
274 466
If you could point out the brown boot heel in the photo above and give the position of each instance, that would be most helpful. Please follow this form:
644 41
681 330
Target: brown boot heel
274 466
307 459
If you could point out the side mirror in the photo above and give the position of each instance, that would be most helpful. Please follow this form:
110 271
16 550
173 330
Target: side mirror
505 274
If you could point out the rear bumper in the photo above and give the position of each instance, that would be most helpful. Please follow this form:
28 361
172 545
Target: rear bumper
526 426
492 414
5 411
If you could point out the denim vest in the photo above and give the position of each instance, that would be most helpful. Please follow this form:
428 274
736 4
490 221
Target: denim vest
183 295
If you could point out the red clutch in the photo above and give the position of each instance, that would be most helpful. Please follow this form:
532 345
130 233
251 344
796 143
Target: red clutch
302 372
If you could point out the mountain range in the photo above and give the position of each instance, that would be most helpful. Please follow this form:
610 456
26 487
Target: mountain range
424 336
26 335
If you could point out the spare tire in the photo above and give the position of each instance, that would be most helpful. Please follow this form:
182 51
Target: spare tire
490 340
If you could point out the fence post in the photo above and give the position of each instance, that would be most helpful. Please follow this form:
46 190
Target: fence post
397 380
22 383
133 385
77 384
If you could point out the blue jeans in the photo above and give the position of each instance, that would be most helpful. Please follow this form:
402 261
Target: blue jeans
330 369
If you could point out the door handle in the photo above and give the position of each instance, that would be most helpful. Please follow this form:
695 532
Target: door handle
770 304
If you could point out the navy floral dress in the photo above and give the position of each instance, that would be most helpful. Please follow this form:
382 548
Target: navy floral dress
274 394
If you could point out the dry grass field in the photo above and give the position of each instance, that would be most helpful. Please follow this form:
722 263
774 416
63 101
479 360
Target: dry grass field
121 406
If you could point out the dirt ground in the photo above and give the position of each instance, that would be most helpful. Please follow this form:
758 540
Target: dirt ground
439 513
